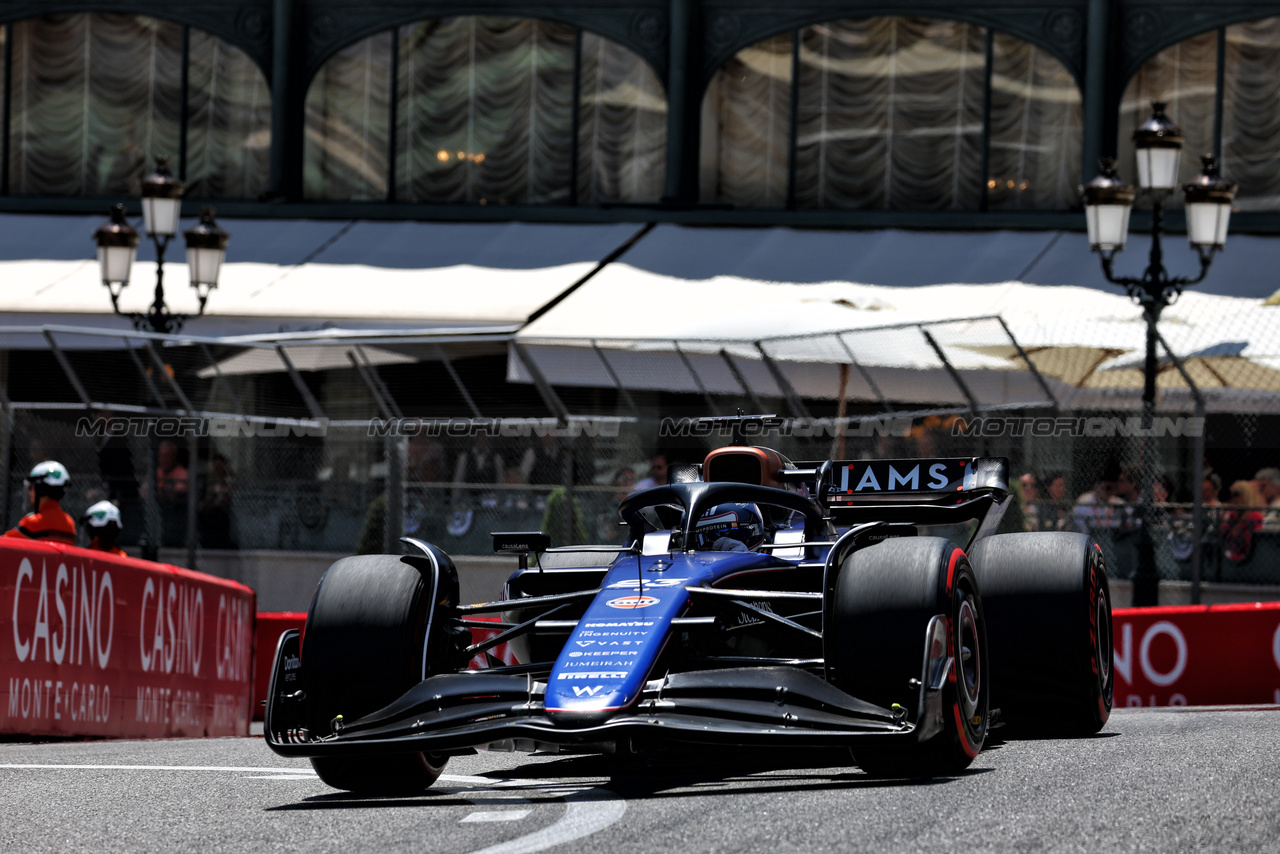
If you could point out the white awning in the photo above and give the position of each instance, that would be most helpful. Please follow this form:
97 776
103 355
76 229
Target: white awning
641 324
284 275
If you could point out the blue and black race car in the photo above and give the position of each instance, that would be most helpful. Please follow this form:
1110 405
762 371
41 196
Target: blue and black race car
863 605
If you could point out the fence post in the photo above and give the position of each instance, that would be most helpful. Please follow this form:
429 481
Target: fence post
193 533
151 523
570 510
397 448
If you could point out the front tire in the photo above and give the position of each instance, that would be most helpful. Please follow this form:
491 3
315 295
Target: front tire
885 597
365 645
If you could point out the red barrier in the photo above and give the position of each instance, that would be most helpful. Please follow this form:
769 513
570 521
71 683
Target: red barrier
271 625
1206 655
502 652
1199 655
98 645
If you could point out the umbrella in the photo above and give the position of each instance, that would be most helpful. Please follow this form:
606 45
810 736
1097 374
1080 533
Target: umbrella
1219 366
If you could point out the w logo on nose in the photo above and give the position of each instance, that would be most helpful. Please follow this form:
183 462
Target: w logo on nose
579 690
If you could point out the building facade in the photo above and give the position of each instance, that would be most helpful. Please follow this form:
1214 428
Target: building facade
924 113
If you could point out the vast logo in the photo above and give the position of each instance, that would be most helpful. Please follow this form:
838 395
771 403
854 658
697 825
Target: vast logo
630 603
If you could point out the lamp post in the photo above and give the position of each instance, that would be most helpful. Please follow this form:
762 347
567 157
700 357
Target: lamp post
1108 201
161 207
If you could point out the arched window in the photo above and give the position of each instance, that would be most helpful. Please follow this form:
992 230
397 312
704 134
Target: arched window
94 97
898 113
485 111
1239 121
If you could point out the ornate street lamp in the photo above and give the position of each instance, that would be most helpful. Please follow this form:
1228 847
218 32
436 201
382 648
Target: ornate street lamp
1108 201
206 250
117 246
161 207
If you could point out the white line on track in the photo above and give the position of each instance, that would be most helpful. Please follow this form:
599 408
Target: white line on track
223 768
587 810
496 815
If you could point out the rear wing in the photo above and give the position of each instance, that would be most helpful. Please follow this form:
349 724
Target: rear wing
947 480
922 491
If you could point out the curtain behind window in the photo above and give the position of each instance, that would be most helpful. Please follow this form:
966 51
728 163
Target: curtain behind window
1251 113
485 111
622 141
746 127
347 123
484 115
229 123
890 114
1036 129
96 97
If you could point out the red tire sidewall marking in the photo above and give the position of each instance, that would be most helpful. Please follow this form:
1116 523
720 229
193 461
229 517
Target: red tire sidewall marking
962 729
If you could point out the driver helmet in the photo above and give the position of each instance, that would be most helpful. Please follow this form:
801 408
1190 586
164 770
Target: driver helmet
102 515
49 478
740 522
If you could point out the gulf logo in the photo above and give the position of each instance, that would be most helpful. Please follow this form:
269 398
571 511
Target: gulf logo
631 603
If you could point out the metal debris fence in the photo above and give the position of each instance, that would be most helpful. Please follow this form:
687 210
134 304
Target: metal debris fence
337 443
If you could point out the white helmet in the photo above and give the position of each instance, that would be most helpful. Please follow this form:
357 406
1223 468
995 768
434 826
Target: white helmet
101 515
49 473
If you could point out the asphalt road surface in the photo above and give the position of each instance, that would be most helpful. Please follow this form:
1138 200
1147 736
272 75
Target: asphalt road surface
1153 780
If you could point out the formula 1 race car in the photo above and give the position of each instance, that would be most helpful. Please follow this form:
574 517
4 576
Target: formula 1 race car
865 605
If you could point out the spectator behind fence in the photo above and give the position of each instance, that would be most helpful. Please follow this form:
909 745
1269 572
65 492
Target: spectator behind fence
171 493
46 484
555 523
607 518
479 465
171 474
1242 521
102 522
1211 490
1030 502
1055 511
1096 508
215 506
1268 483
657 472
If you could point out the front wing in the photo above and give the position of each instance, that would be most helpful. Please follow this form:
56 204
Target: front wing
748 706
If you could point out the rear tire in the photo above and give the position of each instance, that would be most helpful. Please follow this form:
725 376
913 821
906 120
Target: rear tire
365 645
885 597
1049 620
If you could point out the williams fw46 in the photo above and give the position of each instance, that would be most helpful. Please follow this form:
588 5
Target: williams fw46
867 606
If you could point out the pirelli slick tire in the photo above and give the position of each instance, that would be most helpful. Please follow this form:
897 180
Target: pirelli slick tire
365 645
884 598
1049 622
